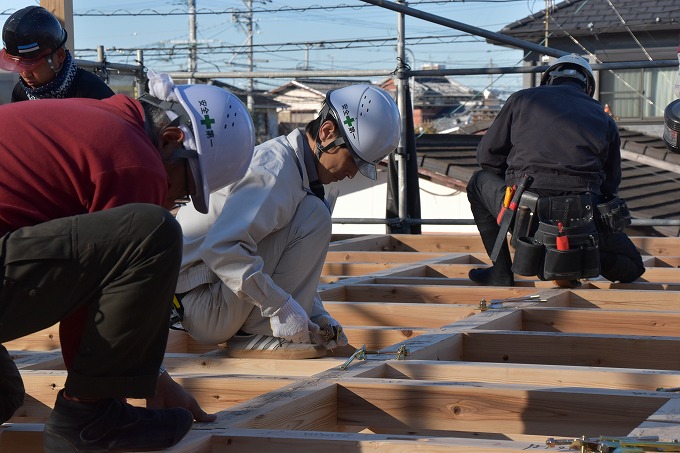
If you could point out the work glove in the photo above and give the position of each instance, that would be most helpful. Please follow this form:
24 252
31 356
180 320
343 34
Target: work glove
291 323
331 334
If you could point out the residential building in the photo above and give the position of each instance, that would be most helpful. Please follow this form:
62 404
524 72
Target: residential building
610 32
301 99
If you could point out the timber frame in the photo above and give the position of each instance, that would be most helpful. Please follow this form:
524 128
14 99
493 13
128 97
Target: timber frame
597 360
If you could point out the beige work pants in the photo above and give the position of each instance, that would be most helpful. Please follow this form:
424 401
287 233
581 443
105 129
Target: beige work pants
293 257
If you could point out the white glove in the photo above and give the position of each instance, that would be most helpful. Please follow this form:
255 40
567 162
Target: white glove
331 334
161 86
291 323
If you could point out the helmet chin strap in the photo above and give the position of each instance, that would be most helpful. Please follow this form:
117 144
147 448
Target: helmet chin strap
322 149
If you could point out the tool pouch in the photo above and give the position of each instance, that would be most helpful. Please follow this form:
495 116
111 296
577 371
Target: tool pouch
612 216
539 255
582 260
529 257
525 219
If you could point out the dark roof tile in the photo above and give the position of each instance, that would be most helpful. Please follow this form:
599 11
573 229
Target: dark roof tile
650 192
580 17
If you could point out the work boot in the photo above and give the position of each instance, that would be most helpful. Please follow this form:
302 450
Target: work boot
266 347
112 425
500 274
569 284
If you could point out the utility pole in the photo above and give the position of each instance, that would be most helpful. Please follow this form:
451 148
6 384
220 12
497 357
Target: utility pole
192 39
249 92
248 29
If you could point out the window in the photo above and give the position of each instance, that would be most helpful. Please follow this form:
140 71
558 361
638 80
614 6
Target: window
637 93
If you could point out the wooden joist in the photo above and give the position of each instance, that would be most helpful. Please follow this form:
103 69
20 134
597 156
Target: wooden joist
449 376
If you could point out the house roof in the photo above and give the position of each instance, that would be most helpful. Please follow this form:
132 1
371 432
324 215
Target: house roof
318 86
428 89
585 17
650 173
260 98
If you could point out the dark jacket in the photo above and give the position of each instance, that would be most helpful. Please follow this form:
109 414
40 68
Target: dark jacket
85 85
557 134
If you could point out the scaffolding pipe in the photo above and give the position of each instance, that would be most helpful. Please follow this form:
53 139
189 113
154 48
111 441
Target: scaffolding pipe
409 73
396 221
514 42
401 100
132 69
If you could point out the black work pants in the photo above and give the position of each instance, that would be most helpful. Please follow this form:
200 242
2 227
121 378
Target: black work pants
620 260
122 264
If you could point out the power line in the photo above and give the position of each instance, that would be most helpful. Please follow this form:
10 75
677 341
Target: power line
338 44
236 11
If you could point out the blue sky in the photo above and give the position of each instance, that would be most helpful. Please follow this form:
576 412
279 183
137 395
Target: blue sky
285 31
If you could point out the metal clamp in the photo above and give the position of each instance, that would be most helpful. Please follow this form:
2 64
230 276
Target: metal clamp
615 444
362 352
499 303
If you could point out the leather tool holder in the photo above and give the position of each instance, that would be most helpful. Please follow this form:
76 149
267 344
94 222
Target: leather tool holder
539 255
612 216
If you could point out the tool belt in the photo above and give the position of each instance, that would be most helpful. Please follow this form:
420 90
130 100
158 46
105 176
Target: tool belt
556 238
612 216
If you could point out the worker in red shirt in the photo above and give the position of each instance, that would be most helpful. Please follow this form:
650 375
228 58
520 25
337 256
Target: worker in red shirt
82 232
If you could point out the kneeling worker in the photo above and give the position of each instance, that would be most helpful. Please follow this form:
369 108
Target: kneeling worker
574 168
251 267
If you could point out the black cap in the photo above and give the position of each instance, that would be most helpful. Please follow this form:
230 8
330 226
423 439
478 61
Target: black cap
29 34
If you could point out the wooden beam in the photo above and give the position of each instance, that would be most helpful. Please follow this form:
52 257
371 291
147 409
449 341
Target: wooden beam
277 441
621 351
43 340
630 322
439 243
407 407
431 294
397 314
624 300
378 257
528 374
352 269
658 246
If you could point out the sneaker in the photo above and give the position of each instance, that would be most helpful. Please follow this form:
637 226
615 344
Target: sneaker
266 347
112 425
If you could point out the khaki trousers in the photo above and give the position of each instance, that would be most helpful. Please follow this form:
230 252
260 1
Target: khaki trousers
293 257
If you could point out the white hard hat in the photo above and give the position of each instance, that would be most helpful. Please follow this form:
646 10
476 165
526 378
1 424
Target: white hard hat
557 69
224 138
369 121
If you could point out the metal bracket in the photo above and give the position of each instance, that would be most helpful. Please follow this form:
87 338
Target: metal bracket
499 303
615 444
362 352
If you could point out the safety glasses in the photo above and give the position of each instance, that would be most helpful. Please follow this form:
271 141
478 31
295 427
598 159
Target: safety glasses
17 64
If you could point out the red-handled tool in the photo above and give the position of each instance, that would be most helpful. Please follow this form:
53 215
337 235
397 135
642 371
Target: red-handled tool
561 241
508 215
509 192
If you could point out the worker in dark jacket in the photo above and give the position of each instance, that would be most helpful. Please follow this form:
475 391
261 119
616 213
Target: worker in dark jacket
560 136
33 42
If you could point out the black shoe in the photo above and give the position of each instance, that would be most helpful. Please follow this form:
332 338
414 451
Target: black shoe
491 276
112 425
